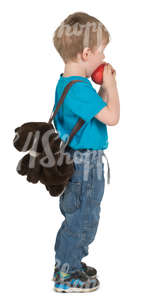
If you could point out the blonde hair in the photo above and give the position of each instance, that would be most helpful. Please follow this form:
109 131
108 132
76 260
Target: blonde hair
69 40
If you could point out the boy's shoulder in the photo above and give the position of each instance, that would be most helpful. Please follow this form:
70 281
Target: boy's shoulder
82 84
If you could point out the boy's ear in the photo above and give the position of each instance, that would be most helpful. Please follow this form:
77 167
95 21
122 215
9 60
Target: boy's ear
86 53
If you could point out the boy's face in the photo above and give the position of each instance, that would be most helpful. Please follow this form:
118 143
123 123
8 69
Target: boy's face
94 59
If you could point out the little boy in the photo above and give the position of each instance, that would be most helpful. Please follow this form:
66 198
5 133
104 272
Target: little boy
80 41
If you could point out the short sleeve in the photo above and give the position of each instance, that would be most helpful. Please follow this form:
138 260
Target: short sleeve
84 101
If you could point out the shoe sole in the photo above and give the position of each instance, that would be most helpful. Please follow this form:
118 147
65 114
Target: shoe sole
76 290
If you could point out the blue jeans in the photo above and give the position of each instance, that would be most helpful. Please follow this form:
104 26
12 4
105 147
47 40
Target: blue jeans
80 205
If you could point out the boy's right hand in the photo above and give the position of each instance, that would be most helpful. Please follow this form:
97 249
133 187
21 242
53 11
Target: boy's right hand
108 77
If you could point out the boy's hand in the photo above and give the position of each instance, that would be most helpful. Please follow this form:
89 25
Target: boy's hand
112 67
108 77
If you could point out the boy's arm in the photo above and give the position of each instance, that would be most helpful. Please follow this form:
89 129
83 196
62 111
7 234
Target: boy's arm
103 94
110 114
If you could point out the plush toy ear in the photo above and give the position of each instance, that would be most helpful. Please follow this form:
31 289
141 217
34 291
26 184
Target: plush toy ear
24 136
23 140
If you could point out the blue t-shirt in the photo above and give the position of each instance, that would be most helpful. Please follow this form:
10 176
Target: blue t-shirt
82 101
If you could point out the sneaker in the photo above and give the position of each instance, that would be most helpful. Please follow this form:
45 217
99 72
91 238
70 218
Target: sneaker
91 272
77 281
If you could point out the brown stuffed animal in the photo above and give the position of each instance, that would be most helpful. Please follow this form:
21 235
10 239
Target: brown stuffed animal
45 162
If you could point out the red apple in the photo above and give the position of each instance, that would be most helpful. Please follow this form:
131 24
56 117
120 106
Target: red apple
97 75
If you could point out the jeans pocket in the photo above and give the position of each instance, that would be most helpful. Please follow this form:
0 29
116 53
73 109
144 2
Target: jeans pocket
70 199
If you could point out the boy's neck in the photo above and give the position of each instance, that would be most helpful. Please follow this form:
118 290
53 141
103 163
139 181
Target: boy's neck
74 69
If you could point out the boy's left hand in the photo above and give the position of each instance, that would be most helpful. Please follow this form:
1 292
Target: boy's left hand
102 86
102 91
113 70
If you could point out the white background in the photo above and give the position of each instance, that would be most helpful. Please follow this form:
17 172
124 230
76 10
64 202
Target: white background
29 216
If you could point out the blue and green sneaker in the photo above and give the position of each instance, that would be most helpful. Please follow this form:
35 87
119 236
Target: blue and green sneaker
77 281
